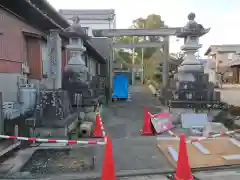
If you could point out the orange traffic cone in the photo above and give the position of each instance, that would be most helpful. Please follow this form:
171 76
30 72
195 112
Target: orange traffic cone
108 170
183 171
98 132
147 125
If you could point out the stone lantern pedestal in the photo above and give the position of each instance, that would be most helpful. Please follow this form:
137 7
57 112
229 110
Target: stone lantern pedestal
191 87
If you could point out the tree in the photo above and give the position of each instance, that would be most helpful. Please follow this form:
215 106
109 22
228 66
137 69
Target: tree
178 56
127 54
152 21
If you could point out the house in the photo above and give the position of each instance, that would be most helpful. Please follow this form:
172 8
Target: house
24 26
91 19
226 58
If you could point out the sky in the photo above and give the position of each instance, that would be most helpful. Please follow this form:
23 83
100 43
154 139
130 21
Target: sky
222 16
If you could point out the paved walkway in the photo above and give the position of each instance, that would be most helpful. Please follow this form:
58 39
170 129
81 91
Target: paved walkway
231 96
123 122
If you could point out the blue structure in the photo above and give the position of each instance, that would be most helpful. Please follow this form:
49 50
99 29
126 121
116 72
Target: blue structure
120 86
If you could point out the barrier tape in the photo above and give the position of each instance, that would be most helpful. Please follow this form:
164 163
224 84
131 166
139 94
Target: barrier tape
213 136
53 140
70 142
165 128
198 139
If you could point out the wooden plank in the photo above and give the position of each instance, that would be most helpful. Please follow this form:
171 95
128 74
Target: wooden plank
218 148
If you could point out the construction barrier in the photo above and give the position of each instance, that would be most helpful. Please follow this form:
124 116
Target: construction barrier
99 129
213 136
148 129
171 133
108 169
52 140
147 125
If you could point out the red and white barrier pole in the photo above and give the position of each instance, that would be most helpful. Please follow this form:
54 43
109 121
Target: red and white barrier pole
53 140
213 136
165 128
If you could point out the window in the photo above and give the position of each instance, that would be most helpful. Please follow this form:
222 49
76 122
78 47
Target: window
230 56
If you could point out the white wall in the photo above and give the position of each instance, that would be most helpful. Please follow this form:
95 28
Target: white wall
94 24
98 24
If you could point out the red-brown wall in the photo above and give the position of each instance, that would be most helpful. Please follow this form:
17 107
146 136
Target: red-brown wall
15 48
12 42
34 58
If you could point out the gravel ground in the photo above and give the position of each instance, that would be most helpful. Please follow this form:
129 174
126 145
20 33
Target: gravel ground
47 161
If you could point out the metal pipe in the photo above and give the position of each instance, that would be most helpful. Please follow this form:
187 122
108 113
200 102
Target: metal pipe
133 62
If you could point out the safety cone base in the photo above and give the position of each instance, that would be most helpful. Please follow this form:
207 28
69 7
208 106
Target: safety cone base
176 178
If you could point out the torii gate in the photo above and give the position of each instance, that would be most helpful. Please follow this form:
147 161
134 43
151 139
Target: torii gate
163 32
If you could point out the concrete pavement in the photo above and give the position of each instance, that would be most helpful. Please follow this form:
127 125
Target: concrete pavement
123 122
231 96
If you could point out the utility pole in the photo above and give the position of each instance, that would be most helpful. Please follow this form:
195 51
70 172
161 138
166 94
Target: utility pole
133 62
142 78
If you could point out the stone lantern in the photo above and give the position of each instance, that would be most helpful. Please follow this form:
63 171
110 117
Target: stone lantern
192 86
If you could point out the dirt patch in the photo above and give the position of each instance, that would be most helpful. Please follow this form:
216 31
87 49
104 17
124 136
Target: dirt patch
218 148
53 161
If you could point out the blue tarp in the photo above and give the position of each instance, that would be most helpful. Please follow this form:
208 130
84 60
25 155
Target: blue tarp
120 86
